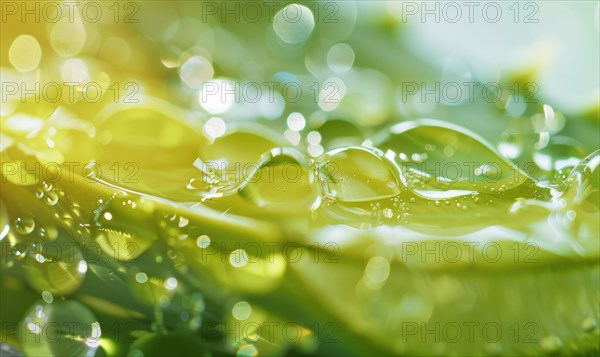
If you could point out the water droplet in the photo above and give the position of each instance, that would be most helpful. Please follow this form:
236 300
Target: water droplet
229 159
62 328
282 181
51 198
57 267
341 178
458 159
388 213
116 235
24 225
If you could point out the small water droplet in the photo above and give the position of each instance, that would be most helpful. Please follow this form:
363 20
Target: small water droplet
24 225
51 198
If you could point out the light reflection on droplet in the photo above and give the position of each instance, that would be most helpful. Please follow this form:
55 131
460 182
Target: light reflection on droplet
171 283
24 225
82 267
183 222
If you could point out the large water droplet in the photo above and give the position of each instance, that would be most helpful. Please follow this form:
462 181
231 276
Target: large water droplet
229 159
115 233
356 174
57 267
445 157
62 328
282 181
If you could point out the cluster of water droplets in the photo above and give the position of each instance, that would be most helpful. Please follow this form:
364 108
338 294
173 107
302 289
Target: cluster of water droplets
428 175
404 175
